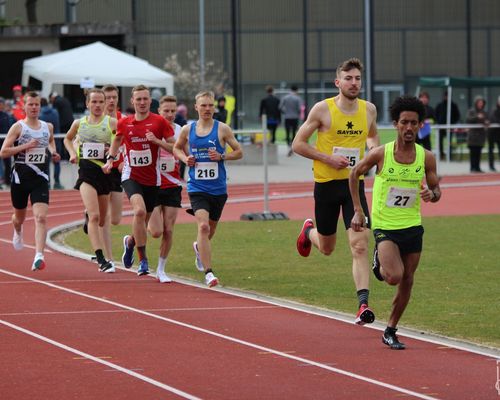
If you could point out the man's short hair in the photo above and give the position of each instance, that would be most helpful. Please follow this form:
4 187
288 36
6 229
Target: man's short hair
349 64
30 93
110 88
168 99
93 90
205 93
407 103
138 88
269 89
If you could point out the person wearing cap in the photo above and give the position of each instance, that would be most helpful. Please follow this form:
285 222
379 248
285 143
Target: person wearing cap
18 106
476 137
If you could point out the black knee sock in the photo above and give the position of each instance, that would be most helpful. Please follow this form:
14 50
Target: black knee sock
363 296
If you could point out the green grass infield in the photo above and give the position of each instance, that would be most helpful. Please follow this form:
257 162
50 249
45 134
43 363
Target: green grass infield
456 285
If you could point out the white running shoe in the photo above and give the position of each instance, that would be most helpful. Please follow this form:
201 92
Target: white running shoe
111 269
162 277
197 261
211 280
38 264
17 240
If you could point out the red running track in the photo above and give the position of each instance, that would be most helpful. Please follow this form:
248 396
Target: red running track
71 332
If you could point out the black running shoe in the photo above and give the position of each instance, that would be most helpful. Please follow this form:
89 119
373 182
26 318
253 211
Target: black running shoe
86 224
391 340
106 265
376 266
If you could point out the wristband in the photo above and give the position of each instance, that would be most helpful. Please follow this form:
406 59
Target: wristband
222 156
110 157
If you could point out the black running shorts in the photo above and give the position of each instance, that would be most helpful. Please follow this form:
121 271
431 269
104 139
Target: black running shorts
329 198
93 175
408 240
148 193
214 204
36 189
169 197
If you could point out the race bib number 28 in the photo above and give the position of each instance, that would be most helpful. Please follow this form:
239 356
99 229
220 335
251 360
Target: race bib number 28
93 151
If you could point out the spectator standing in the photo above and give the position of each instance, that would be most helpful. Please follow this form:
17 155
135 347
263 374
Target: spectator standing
440 113
270 106
50 114
424 134
220 111
18 103
290 107
494 136
6 121
63 107
476 137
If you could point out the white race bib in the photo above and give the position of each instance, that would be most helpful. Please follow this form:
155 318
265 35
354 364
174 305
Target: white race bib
351 153
401 197
206 170
140 158
35 155
167 163
93 151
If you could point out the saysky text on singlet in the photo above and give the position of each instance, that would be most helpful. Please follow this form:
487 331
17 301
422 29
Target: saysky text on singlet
346 136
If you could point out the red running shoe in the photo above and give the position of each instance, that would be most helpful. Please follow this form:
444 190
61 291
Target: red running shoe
365 315
303 243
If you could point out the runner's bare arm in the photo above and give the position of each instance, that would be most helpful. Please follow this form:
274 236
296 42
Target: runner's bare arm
230 139
68 141
373 139
52 144
315 121
181 144
8 147
374 157
433 192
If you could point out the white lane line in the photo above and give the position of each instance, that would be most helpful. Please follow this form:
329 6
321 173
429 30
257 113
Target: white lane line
28 246
82 312
229 338
111 365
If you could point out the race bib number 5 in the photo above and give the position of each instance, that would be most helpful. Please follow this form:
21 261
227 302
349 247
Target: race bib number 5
140 158
351 153
206 170
93 151
36 155
167 163
401 197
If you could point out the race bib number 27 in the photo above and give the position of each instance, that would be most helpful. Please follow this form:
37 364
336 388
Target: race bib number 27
401 197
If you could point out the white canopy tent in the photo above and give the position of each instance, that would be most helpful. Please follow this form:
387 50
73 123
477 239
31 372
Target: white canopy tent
98 63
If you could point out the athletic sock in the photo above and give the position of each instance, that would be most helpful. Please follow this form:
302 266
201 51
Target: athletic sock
100 256
162 261
38 255
208 270
130 241
363 296
390 330
142 252
306 232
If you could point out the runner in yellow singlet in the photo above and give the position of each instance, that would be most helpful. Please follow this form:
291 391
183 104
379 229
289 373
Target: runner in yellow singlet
397 192
345 125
